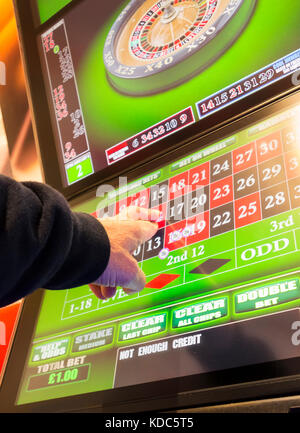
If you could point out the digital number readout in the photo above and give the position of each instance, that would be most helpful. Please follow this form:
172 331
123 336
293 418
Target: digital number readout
74 145
61 377
151 135
248 85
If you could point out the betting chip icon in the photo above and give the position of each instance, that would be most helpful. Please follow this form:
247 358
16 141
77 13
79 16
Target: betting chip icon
161 281
163 254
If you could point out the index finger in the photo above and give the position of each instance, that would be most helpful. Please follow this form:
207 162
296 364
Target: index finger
144 230
139 213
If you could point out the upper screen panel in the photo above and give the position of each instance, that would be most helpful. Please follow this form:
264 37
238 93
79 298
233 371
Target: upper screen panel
123 75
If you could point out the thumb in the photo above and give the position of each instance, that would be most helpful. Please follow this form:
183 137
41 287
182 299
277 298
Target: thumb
138 281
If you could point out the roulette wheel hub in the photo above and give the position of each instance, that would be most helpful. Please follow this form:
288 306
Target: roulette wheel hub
170 13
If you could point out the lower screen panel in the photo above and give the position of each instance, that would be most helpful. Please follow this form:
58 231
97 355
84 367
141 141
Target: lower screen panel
223 276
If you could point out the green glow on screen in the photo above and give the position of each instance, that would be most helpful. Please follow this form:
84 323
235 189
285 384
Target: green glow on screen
48 8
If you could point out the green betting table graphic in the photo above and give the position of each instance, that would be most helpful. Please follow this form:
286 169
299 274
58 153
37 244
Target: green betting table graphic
236 259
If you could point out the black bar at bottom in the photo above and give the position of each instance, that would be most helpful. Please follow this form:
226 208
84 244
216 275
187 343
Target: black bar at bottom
249 342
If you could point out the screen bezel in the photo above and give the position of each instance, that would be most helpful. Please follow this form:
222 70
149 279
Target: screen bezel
42 126
278 378
11 339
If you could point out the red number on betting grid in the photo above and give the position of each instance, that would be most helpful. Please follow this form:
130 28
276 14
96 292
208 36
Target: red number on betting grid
197 228
122 205
221 192
199 176
140 199
269 147
178 185
292 164
174 236
247 210
244 157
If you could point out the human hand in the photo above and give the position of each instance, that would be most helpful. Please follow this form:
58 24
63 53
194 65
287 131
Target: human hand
126 231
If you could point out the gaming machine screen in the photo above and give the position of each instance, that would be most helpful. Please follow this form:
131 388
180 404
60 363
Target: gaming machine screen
121 75
223 275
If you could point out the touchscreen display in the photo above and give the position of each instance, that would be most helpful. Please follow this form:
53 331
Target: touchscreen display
122 75
222 272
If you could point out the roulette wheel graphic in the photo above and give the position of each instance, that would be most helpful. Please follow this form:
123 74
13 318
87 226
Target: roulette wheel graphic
156 45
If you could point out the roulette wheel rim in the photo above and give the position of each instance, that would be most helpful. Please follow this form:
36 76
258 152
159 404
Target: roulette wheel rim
186 63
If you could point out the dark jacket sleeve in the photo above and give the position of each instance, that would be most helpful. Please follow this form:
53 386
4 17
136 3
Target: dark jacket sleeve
43 244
